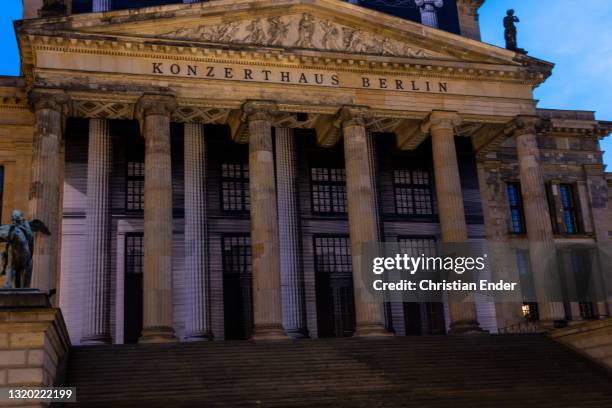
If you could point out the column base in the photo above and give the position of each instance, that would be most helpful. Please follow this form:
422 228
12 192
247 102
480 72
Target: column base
269 332
466 327
157 335
199 336
372 330
297 333
99 339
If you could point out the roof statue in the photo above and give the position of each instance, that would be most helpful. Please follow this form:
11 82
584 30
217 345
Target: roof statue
510 32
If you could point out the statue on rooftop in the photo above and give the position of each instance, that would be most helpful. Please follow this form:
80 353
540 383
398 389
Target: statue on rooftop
52 8
510 32
19 239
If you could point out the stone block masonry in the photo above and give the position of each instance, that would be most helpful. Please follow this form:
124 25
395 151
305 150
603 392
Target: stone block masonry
33 341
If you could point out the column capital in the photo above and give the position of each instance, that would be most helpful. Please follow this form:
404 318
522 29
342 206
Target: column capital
353 115
523 124
441 119
54 99
260 110
429 3
155 104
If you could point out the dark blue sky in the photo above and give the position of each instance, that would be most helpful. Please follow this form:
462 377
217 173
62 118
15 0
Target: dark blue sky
575 35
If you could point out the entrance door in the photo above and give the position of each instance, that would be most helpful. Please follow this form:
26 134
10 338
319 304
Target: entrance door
132 295
237 287
334 286
424 318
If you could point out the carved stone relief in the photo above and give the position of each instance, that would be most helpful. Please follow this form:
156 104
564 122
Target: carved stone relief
301 31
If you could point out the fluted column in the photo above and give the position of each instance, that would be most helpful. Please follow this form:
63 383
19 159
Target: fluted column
429 15
441 125
101 5
265 250
292 279
99 167
154 112
537 219
363 217
196 234
45 194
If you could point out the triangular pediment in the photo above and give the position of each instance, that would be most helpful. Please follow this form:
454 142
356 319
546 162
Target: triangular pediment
318 25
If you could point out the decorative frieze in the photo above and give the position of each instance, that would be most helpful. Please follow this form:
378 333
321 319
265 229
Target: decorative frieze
304 31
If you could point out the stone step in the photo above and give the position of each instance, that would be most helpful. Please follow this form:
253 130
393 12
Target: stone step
434 371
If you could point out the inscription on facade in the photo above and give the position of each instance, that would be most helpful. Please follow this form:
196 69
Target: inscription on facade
296 76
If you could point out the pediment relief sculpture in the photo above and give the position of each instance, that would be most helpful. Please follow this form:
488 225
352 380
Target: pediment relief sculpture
303 31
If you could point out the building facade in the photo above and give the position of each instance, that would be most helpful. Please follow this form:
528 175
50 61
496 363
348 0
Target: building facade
211 170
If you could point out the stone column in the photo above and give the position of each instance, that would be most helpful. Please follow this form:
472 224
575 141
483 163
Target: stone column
537 219
429 16
362 218
267 309
45 188
196 235
154 112
99 167
441 125
292 278
101 5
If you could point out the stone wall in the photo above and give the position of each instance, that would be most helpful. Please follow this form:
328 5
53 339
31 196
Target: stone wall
33 340
591 338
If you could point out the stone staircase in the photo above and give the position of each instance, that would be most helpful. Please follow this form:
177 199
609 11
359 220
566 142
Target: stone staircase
433 371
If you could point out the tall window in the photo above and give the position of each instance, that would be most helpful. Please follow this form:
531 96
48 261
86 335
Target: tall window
333 255
328 186
413 192
134 196
334 286
570 210
134 253
529 308
517 213
133 296
237 286
417 246
235 187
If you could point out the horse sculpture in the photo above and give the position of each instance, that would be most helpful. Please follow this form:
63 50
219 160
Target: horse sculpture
19 239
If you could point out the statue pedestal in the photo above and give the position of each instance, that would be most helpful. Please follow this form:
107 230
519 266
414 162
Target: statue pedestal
34 341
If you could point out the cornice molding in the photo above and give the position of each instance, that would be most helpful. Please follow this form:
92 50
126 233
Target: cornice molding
94 44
